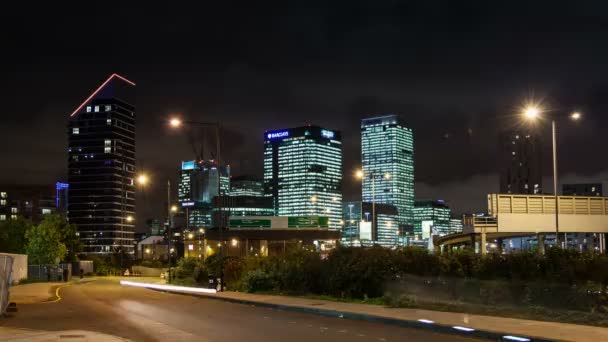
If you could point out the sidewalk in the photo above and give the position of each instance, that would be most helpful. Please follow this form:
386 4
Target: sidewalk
34 292
444 321
10 334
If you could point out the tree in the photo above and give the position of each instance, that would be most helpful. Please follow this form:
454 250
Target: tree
45 245
12 235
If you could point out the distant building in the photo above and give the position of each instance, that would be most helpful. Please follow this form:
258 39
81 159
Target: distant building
234 206
31 202
521 161
592 189
101 168
155 227
456 226
303 172
387 156
200 182
246 186
361 228
61 197
431 217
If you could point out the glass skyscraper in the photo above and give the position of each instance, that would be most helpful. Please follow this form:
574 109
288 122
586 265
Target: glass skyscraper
431 217
359 223
303 172
387 156
246 186
101 168
198 185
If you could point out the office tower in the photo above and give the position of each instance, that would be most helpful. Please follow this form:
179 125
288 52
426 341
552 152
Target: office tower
246 186
303 172
455 226
31 202
592 189
520 154
101 168
387 156
431 217
361 228
198 186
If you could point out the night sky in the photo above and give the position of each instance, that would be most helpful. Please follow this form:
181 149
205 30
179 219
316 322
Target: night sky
455 73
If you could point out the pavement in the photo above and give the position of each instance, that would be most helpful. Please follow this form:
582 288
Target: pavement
34 292
104 307
27 335
500 325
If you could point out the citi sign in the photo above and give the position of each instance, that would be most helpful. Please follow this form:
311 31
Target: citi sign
275 135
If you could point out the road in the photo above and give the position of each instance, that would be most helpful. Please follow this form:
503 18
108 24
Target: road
145 315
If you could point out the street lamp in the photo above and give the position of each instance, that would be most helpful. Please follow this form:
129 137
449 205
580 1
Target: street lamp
129 218
532 113
142 179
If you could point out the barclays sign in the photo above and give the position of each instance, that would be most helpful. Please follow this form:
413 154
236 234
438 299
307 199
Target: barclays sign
276 135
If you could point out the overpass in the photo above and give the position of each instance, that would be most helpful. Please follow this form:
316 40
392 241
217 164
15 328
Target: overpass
524 215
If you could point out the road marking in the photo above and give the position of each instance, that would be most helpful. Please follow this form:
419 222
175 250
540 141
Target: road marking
58 297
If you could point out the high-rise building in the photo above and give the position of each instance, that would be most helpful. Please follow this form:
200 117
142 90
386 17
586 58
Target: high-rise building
101 168
197 188
303 172
31 202
431 217
455 226
246 186
521 171
361 228
593 189
387 155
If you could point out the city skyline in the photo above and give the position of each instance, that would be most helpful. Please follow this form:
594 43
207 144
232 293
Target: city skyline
447 92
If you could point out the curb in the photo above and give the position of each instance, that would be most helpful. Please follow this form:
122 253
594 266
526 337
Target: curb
420 324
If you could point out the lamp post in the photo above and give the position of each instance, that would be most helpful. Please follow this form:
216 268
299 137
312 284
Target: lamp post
361 175
175 123
533 113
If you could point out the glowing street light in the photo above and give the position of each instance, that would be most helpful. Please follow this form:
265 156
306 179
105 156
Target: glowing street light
142 179
173 208
175 122
359 174
531 112
575 116
129 218
190 236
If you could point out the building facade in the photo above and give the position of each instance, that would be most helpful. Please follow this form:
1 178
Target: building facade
198 186
246 186
101 168
590 189
521 161
62 191
361 228
431 217
303 172
30 202
387 156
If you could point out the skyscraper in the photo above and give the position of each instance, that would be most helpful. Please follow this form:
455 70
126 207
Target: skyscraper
431 217
246 186
361 228
387 156
303 172
520 154
198 186
101 168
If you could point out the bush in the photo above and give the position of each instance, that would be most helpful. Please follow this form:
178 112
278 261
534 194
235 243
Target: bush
257 280
185 267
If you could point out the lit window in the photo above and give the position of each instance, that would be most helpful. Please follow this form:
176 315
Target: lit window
107 150
75 130
108 108
3 202
96 109
3 194
88 109
14 210
107 142
13 217
190 247
46 211
3 217
109 121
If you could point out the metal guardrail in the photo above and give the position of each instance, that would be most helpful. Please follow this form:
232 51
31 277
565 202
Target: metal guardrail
6 268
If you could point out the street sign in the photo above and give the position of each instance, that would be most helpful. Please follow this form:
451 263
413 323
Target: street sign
308 222
250 223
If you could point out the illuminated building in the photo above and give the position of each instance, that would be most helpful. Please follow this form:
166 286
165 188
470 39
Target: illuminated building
30 202
101 168
246 186
359 228
303 172
61 196
431 217
198 186
387 155
521 161
455 226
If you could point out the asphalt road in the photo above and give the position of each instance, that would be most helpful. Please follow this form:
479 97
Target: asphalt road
145 315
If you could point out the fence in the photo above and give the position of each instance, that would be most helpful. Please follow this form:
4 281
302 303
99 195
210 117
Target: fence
48 272
6 267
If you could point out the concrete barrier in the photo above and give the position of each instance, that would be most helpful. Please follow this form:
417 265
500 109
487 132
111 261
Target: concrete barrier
19 270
